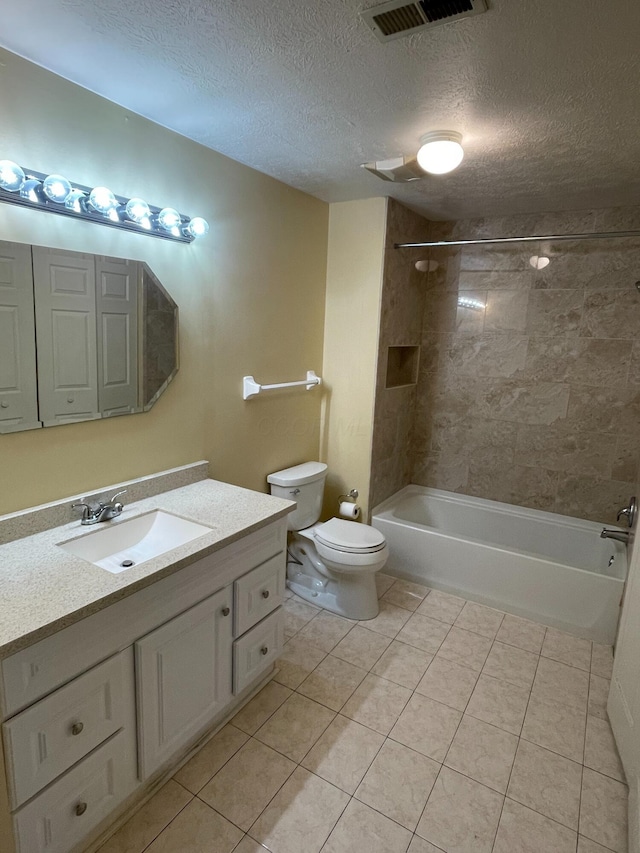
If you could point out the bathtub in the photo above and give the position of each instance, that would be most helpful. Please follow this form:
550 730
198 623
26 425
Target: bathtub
539 565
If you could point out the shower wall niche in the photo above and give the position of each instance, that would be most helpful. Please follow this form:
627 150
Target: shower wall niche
529 383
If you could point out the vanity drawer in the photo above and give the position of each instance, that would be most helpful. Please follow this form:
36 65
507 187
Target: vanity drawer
60 818
52 735
257 650
259 592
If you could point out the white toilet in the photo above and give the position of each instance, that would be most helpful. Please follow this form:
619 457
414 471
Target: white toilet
333 564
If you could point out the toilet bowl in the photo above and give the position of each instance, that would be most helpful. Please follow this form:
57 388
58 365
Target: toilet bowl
331 564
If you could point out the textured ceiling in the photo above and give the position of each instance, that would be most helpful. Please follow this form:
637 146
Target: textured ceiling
545 93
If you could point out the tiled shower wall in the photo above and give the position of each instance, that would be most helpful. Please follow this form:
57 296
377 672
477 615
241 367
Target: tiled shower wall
530 392
403 302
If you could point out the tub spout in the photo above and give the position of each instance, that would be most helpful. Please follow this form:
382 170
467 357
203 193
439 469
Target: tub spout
620 535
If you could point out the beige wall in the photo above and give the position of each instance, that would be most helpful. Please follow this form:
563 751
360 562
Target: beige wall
251 295
354 283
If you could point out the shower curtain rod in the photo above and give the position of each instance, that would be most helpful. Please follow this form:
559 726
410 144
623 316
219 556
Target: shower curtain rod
554 237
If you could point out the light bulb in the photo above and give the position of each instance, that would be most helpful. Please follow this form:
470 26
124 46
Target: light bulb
137 210
75 201
440 152
56 188
468 302
168 218
31 190
11 176
196 227
102 200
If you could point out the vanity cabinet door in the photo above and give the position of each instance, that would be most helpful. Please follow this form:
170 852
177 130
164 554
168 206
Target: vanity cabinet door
183 678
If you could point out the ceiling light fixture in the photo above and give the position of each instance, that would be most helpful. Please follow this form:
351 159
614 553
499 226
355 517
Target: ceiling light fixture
440 151
539 262
95 204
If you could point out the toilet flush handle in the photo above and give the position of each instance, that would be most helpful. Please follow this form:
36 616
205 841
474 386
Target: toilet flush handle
294 492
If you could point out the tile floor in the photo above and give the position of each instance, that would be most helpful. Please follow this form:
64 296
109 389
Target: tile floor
441 725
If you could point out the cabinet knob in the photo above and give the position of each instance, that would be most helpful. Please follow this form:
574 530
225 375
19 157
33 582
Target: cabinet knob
264 650
225 611
81 809
70 399
76 728
265 593
4 405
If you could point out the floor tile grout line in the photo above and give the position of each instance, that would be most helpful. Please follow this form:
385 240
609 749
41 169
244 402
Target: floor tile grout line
506 790
246 831
155 838
413 692
580 804
234 753
442 764
462 715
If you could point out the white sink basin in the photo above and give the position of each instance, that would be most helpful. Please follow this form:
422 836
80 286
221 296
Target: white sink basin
120 545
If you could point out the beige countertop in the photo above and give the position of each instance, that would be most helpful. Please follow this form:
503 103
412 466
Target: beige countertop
44 589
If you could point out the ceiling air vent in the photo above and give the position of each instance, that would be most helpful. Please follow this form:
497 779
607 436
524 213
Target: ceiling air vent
398 169
398 18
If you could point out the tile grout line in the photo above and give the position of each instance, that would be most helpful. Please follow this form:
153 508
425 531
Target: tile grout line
155 838
246 831
456 732
495 838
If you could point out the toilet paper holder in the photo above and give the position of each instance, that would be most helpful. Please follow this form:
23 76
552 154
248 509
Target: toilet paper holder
352 495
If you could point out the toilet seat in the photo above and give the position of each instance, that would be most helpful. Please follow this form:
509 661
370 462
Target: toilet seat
348 537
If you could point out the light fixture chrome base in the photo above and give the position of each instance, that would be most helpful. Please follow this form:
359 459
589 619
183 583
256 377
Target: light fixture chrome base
88 214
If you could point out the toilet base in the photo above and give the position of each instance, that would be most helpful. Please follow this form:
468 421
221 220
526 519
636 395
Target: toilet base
357 600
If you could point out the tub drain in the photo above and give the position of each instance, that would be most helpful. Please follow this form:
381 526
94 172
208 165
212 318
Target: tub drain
126 564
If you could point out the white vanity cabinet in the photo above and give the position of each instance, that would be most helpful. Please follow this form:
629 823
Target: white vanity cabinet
183 675
107 706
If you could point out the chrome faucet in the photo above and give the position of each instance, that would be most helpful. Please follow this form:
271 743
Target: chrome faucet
92 513
629 512
620 535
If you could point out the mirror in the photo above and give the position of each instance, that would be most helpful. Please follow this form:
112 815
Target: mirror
81 337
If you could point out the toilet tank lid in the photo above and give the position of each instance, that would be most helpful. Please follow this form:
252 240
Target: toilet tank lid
298 475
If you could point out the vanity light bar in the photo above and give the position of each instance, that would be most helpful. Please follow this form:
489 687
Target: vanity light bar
56 194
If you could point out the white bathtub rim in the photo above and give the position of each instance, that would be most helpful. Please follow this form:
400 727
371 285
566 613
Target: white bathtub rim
384 510
470 500
480 543
575 600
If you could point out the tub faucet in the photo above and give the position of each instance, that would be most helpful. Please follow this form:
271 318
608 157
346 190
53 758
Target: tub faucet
620 535
92 513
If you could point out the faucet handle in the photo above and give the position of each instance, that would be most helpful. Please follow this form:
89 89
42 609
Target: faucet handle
86 508
114 508
629 511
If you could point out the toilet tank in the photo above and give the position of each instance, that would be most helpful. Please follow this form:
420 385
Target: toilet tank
305 485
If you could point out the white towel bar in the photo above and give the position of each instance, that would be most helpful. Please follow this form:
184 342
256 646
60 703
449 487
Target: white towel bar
250 388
